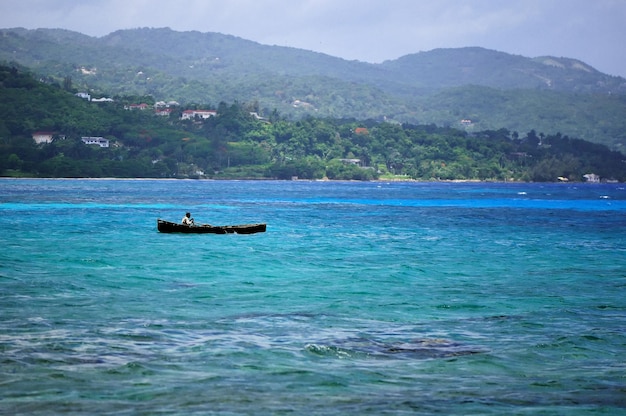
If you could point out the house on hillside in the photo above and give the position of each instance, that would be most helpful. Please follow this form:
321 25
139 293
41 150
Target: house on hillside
356 162
302 104
83 95
163 112
142 106
163 104
41 137
192 114
100 141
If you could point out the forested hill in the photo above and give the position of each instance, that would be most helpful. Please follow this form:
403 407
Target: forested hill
117 138
445 87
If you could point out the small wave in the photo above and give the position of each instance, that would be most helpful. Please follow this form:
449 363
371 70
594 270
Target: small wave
417 349
328 350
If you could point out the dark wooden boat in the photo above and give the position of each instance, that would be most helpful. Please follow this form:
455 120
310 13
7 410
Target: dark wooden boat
174 227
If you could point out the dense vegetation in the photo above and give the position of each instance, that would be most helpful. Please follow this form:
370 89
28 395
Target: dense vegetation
493 89
235 143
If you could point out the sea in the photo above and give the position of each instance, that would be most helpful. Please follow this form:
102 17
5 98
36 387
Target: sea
361 298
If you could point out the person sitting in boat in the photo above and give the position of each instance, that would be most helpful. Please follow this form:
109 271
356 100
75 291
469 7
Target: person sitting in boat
187 220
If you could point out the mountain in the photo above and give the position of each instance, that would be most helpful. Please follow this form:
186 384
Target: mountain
444 68
485 88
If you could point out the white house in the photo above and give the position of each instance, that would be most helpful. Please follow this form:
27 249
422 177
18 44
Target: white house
142 106
83 95
43 137
163 104
163 111
191 114
100 141
351 161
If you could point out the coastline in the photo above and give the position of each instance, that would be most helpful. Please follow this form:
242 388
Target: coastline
385 180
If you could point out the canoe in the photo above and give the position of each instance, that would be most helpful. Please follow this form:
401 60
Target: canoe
174 227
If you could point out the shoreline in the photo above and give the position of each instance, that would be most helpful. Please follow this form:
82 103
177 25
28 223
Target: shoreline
389 180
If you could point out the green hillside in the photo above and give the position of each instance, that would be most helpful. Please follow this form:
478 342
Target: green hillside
234 142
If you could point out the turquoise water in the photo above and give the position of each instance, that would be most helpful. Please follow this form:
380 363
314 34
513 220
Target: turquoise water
361 298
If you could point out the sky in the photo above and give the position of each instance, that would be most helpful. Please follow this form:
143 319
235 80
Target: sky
593 31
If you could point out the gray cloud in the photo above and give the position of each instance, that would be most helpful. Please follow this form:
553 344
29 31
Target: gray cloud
367 30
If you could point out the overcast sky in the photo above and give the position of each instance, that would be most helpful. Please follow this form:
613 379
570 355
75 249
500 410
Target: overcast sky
593 31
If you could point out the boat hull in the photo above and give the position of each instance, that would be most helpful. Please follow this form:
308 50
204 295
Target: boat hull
173 227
